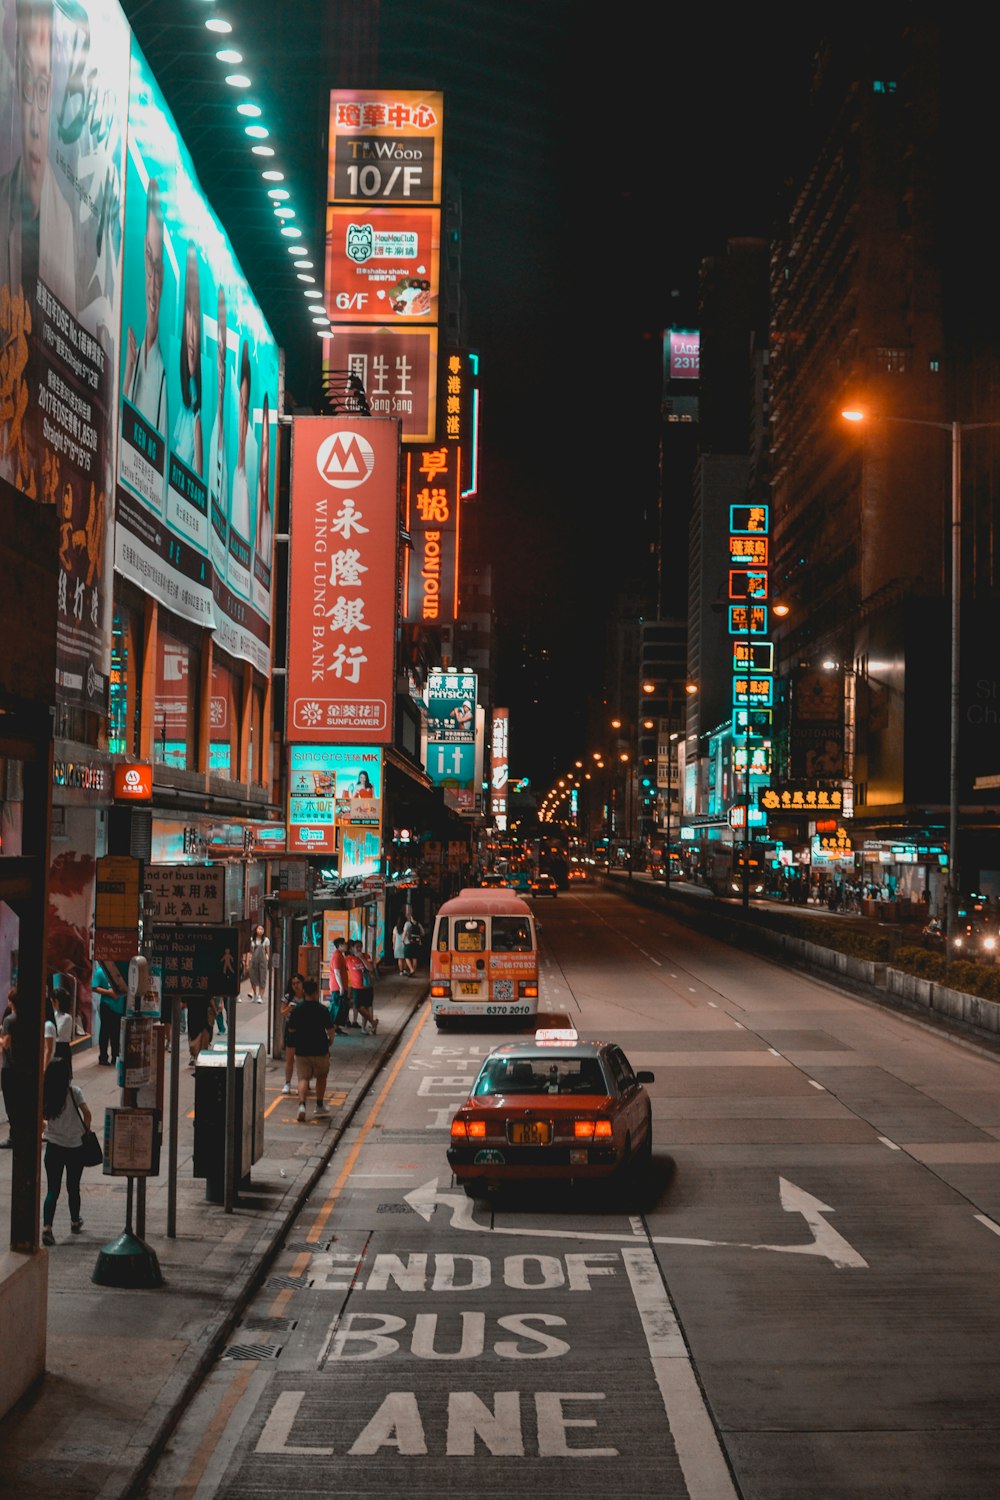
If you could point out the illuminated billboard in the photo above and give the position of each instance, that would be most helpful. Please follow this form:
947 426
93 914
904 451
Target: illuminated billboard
342 609
451 707
199 398
385 146
383 264
331 788
499 766
63 106
683 354
397 367
432 520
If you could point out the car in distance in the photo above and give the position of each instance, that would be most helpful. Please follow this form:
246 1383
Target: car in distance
544 885
554 1108
578 873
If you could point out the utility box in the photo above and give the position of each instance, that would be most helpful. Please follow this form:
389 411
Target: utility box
210 1116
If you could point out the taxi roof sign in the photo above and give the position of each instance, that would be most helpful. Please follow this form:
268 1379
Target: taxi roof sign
556 1034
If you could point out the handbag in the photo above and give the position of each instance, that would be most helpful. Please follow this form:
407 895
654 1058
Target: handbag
93 1156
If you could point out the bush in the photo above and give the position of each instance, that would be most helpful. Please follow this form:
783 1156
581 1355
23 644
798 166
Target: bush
971 978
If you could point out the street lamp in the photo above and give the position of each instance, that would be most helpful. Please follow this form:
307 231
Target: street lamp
859 414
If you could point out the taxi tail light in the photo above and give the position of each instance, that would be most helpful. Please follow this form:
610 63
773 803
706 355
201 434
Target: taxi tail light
477 1130
527 989
602 1130
583 1130
458 1130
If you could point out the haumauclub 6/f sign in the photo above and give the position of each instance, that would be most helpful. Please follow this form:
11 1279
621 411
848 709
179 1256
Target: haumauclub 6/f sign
342 611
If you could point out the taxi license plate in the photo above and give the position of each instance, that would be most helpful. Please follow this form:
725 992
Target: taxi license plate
469 987
531 1133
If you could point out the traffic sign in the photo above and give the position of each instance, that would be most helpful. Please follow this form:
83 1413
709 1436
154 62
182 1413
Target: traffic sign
198 961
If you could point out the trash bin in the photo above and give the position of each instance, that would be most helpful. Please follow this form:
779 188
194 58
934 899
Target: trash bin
210 1121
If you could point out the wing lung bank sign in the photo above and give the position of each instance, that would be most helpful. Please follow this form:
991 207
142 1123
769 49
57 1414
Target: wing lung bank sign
63 103
199 383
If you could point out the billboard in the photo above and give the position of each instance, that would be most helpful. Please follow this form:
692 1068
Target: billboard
451 707
499 766
342 609
383 264
684 354
817 727
63 105
385 146
431 486
397 367
334 788
199 388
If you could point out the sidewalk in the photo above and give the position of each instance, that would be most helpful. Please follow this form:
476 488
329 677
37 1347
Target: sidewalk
121 1364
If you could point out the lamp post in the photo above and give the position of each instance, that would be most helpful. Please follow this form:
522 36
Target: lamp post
955 429
672 737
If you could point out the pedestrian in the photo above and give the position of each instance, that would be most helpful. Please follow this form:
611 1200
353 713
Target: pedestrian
413 936
49 1042
201 1024
293 996
260 957
340 988
108 984
67 1117
9 1076
310 1031
64 1026
361 972
399 943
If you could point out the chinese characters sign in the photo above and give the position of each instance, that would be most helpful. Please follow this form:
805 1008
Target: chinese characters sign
499 766
432 515
331 787
382 264
63 102
342 611
753 658
187 893
451 736
385 146
797 796
397 367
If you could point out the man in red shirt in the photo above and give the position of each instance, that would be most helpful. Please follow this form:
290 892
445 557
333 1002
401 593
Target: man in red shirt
340 988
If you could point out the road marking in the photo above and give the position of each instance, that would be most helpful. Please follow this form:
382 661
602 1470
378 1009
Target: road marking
825 1241
774 1052
816 1085
233 1411
738 1024
988 1222
699 1453
713 1005
891 1144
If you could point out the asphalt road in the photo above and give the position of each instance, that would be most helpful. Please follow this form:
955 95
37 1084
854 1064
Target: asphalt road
801 1301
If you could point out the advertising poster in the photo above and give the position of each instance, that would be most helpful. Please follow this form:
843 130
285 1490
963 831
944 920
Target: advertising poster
385 146
342 609
499 766
817 737
199 384
331 787
432 520
63 102
397 367
451 707
383 264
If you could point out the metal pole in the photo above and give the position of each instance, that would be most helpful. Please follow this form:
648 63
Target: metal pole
746 768
230 1186
175 1096
670 789
956 618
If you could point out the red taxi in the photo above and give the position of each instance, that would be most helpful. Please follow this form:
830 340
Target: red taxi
555 1107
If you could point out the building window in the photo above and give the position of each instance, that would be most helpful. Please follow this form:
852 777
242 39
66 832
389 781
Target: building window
224 721
934 364
892 361
884 86
175 739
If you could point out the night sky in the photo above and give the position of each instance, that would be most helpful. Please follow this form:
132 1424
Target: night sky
602 153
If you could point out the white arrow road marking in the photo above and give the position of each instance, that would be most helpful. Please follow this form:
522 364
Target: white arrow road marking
825 1242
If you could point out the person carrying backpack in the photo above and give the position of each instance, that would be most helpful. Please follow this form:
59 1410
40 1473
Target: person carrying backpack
413 936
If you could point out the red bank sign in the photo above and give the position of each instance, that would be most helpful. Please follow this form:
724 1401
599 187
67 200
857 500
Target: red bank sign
342 611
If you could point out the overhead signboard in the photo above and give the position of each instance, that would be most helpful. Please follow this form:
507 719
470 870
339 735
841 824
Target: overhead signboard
499 766
451 706
432 503
342 609
383 264
397 367
385 146
199 398
191 894
331 788
799 796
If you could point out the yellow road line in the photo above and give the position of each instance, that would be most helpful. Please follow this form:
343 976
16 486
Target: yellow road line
352 1156
216 1427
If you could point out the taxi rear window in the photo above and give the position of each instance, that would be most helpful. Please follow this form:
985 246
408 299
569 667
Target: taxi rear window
541 1075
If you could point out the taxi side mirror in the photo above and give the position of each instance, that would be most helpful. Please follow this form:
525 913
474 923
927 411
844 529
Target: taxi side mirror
646 1077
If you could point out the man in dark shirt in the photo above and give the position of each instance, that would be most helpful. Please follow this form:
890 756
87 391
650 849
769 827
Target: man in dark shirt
310 1031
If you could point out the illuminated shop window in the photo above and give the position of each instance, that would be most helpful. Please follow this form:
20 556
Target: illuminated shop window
224 722
175 738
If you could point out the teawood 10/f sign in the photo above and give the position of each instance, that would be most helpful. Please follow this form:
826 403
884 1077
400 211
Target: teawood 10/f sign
342 610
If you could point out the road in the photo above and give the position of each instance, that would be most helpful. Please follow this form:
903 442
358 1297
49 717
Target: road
801 1301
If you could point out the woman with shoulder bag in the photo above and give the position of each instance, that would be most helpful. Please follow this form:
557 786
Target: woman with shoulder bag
67 1120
